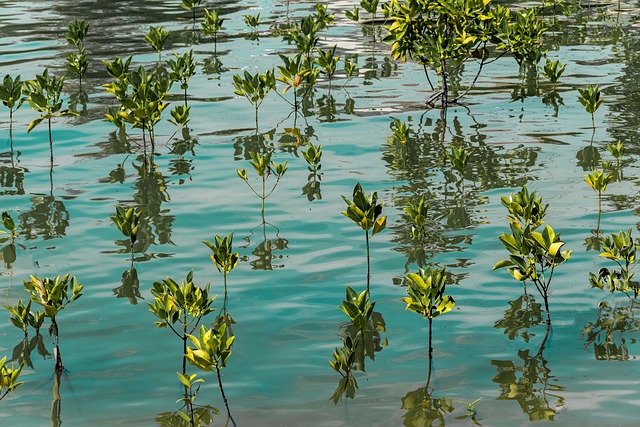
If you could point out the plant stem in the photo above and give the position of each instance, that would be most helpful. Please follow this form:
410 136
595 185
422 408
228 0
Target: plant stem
366 234
59 367
56 402
224 396
50 142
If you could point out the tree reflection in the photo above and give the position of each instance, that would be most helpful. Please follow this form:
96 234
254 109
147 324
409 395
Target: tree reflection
203 416
424 409
607 334
12 177
529 381
266 252
48 218
130 286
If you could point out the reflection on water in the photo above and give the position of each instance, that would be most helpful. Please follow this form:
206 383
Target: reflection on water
48 218
523 314
424 409
609 334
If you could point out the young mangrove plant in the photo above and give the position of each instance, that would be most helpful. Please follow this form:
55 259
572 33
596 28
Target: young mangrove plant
8 377
328 62
459 158
212 25
599 180
534 255
182 69
128 222
401 130
223 258
297 72
622 249
252 21
426 297
254 87
181 307
212 348
11 97
365 212
591 99
22 317
191 6
553 71
77 61
54 295
157 37
444 37
43 95
264 167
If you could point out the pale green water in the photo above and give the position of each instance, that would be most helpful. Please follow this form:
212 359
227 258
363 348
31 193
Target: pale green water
121 368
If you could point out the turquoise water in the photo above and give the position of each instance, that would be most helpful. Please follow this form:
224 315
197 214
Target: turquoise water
286 290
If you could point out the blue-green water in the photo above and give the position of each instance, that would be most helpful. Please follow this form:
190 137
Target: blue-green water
286 290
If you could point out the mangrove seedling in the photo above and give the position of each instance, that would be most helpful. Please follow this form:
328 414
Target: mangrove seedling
328 62
180 114
128 222
297 72
351 68
212 25
591 99
21 316
210 353
553 70
180 307
371 6
616 150
9 224
192 6
401 130
417 211
252 21
77 61
459 157
182 69
54 295
534 255
354 14
599 180
43 95
254 87
11 97
8 378
426 296
313 155
365 212
622 249
223 257
264 167
156 37
304 34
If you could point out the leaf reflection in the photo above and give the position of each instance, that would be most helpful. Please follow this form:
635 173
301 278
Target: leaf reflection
607 334
522 314
425 410
130 287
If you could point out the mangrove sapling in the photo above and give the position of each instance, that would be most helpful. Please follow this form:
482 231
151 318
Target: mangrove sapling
523 39
21 316
599 180
8 378
553 70
591 100
444 36
426 297
212 348
459 158
181 308
54 295
43 95
11 97
182 69
297 72
225 260
128 222
534 255
212 25
192 6
622 249
365 212
401 130
254 87
371 6
252 21
304 34
77 61
157 37
264 167
328 62
351 69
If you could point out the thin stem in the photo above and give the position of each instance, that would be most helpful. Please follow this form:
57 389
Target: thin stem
430 355
50 142
59 367
56 402
11 132
366 233
224 396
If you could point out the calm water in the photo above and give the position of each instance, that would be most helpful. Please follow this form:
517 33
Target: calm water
285 293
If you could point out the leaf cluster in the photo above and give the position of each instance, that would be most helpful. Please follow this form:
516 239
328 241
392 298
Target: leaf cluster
254 87
357 307
183 67
128 222
223 256
22 317
11 92
43 95
622 249
426 293
365 211
53 294
9 377
211 348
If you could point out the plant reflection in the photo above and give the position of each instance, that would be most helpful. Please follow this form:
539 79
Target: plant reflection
48 218
12 178
23 350
523 314
607 333
424 409
203 416
130 287
529 381
264 251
